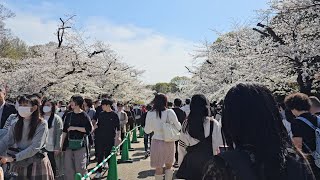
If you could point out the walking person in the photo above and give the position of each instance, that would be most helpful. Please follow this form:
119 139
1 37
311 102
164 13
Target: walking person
123 118
88 108
162 153
258 145
55 126
304 137
186 107
130 115
147 137
181 115
77 125
315 106
29 135
6 109
199 140
106 129
62 109
13 118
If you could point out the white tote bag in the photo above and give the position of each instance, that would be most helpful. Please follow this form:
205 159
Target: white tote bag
171 133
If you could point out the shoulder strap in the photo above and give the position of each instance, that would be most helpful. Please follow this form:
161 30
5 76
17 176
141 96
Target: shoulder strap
240 164
318 121
308 122
312 126
211 128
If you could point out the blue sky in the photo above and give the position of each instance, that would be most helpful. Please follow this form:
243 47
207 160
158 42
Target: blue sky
157 36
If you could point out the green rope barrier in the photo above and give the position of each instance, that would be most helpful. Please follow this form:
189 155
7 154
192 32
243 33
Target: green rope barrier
113 170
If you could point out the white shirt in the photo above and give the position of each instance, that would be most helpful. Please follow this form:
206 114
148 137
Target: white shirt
190 141
186 109
1 110
155 124
50 142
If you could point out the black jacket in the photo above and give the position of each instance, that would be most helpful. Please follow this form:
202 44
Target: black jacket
8 109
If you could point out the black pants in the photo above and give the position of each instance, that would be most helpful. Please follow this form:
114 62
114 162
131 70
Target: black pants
123 135
103 149
52 162
176 154
147 141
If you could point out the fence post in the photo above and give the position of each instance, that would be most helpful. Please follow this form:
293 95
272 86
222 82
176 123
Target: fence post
141 132
129 142
125 151
113 167
78 176
134 136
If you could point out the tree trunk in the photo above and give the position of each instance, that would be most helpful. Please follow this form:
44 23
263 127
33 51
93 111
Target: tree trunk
305 86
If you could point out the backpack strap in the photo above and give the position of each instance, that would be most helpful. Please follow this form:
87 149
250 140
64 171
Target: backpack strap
308 122
310 125
240 163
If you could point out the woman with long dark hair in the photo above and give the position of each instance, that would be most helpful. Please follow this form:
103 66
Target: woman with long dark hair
199 140
55 126
259 145
29 134
162 153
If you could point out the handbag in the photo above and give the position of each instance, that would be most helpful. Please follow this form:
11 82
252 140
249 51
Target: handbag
196 158
74 144
170 132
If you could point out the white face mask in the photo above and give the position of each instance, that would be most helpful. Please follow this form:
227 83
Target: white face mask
46 109
24 111
63 109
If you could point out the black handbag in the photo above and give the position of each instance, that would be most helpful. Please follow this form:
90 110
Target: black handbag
195 160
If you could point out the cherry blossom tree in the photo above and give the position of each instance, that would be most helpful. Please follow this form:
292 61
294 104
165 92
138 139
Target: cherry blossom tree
282 52
73 66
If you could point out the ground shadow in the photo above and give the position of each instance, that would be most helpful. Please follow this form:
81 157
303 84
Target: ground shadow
137 159
145 174
139 149
138 154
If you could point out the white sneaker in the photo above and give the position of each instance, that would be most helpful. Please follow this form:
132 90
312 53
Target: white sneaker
98 175
105 166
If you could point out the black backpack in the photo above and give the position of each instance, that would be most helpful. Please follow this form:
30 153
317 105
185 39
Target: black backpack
196 158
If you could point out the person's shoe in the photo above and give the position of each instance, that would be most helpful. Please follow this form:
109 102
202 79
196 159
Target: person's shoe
176 165
105 166
146 155
98 175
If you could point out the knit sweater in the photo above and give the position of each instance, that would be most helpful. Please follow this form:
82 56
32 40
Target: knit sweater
28 147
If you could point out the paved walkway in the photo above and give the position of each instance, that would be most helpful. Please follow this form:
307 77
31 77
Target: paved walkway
139 169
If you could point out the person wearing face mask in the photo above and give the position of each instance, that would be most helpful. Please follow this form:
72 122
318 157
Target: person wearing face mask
77 126
55 127
29 134
11 119
123 118
6 109
106 130
63 109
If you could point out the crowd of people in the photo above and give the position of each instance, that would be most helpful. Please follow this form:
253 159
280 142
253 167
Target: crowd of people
248 135
46 139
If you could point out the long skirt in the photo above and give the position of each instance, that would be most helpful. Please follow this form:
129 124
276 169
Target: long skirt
161 153
39 170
